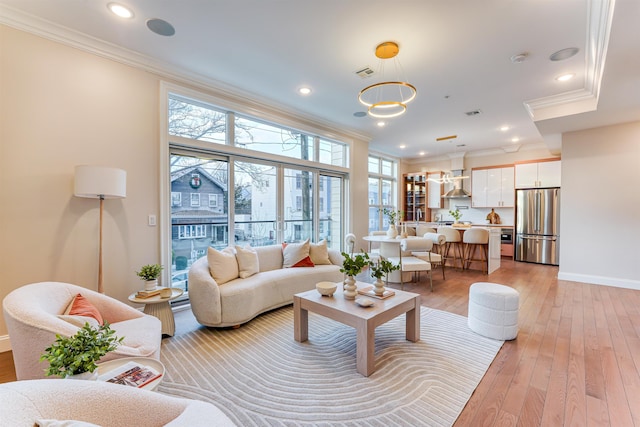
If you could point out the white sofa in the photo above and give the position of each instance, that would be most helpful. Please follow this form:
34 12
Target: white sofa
240 300
101 403
32 316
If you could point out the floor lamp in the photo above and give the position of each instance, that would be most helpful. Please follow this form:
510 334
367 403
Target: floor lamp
97 182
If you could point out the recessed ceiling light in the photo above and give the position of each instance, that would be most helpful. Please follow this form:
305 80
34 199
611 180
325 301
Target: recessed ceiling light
402 146
563 54
304 90
504 128
120 10
381 124
422 153
516 139
565 77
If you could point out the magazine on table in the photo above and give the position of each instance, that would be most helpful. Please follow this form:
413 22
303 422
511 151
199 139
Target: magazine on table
131 374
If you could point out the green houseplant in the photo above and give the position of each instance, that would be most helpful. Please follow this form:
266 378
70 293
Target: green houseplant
150 273
379 269
79 353
456 215
352 265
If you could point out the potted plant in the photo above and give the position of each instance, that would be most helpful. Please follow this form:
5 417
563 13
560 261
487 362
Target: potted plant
149 273
352 265
392 216
379 269
79 353
456 215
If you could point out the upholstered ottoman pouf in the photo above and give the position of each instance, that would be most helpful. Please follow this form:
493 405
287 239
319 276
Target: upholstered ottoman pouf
493 310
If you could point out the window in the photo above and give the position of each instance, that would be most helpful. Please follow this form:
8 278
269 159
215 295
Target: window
382 182
192 231
190 119
274 198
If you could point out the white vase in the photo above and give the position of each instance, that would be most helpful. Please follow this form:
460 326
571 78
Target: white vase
378 287
350 288
150 285
392 232
92 376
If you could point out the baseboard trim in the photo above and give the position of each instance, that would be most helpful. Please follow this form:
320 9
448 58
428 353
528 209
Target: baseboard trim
5 344
600 280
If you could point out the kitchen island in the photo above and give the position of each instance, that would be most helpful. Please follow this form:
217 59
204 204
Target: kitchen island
391 247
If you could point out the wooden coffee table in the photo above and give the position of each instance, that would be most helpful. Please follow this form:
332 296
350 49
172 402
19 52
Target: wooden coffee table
364 319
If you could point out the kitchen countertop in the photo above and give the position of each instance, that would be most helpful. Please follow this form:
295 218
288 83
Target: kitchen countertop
473 224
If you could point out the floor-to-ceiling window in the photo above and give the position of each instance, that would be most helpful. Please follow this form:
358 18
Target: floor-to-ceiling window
239 180
382 183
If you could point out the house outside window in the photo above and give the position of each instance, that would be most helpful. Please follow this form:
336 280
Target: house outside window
176 198
195 200
213 200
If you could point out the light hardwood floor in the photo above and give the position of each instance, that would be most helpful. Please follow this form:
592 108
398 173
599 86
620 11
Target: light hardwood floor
576 361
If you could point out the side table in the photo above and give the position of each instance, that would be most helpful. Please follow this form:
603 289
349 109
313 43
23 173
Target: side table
160 308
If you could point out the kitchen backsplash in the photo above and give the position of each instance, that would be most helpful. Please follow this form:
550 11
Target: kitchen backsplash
475 215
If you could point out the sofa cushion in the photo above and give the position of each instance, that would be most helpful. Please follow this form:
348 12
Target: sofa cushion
296 255
80 306
319 253
248 263
222 264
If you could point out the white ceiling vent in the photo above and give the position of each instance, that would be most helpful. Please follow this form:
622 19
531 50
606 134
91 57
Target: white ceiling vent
365 72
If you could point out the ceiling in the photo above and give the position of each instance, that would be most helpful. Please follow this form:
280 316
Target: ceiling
455 52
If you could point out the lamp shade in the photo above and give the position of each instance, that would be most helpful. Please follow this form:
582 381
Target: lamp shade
97 181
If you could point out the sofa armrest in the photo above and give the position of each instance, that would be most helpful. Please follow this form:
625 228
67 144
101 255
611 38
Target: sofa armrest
204 294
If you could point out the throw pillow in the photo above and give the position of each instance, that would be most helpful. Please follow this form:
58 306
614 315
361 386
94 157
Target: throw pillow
223 265
79 321
248 263
296 255
80 306
319 253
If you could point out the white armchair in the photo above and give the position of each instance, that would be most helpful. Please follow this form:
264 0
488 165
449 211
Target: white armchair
31 313
101 403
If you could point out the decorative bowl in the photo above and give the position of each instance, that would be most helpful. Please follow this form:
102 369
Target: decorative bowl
326 288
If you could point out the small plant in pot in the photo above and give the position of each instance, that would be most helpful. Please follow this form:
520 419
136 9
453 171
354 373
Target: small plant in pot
352 265
150 273
79 353
456 215
381 269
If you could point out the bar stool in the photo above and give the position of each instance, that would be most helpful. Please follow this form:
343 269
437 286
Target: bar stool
453 241
474 239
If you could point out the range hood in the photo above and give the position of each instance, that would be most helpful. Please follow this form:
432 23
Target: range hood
457 192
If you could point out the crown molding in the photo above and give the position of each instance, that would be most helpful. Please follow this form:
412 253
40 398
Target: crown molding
250 102
599 21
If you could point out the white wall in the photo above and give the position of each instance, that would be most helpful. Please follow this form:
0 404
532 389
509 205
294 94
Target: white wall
600 206
60 107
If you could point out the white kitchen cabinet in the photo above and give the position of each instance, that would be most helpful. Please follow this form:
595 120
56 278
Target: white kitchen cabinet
491 188
434 190
540 174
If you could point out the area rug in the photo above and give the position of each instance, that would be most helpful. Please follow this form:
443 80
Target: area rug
260 376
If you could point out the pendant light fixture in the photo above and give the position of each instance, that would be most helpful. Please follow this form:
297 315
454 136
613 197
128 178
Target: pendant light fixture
388 98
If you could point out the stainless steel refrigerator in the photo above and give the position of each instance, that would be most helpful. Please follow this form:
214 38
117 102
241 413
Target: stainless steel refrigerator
537 227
